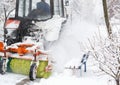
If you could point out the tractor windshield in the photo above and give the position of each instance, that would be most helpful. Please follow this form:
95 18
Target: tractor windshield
33 9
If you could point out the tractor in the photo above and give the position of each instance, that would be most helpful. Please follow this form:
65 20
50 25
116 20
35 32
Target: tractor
26 32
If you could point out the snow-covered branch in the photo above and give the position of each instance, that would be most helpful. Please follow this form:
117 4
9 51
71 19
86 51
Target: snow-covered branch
114 9
6 6
106 52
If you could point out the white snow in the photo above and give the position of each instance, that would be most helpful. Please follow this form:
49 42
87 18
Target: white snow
73 62
73 42
52 27
10 79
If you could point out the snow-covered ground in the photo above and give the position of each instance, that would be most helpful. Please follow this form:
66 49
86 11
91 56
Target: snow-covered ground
67 77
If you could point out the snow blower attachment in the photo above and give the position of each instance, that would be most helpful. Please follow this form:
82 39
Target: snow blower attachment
35 23
25 60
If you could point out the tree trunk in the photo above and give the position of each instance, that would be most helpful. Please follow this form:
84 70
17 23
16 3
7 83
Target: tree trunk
106 17
117 82
62 5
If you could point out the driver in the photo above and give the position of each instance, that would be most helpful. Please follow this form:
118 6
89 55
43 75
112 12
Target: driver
43 6
41 12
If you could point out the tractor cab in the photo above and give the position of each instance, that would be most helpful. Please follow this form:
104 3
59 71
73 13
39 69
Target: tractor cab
33 9
47 12
39 10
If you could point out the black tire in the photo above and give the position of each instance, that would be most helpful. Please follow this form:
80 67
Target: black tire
33 72
3 66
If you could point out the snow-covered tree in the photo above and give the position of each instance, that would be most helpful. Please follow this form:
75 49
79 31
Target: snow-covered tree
6 6
114 9
107 54
82 8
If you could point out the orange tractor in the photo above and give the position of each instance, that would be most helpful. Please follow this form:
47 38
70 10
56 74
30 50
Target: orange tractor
29 57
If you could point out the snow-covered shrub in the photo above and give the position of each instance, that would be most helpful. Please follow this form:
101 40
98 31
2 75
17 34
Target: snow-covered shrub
106 52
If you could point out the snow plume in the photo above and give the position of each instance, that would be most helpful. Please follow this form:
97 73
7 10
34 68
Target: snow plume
76 32
85 10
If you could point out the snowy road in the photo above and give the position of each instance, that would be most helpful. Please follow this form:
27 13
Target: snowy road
61 79
16 79
65 78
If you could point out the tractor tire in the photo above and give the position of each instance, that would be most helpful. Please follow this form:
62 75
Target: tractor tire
3 66
33 72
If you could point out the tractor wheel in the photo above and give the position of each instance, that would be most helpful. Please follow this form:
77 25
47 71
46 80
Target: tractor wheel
3 66
33 72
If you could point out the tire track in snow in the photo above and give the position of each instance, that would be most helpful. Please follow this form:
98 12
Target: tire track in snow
25 81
